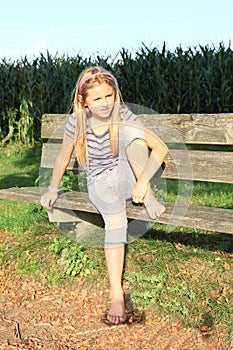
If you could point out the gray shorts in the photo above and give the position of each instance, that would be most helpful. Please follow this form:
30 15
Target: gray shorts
110 190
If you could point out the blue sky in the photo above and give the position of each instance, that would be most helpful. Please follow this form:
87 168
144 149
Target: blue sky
70 27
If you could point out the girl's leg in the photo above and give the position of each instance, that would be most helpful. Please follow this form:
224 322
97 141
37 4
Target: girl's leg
115 260
137 153
115 238
106 197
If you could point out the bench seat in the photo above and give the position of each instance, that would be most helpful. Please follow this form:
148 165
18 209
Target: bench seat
200 217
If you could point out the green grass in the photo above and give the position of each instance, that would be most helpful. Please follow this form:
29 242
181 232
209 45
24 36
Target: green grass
24 241
186 274
19 165
30 245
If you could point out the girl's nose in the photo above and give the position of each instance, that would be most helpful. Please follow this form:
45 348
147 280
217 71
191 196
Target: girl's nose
105 102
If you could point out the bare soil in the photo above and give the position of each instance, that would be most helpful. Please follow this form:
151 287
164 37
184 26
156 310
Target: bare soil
34 316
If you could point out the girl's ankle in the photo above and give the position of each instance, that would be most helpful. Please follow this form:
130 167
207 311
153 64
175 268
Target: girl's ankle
117 294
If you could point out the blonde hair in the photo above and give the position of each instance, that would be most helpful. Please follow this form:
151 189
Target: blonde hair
83 84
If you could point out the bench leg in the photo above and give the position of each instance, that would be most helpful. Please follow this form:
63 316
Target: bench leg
88 228
85 228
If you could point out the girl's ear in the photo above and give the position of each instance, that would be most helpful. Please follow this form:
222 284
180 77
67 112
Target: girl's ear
80 99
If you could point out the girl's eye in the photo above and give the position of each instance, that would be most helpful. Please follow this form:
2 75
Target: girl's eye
99 98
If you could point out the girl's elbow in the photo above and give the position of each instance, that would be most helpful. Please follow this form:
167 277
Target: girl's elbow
163 149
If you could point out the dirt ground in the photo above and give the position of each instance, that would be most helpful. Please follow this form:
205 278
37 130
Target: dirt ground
33 316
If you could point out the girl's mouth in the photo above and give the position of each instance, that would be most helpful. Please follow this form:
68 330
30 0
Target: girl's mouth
106 110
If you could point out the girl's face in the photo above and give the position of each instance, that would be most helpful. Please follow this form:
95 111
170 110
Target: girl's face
100 100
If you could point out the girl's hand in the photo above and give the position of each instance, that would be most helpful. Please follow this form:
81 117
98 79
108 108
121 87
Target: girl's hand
48 199
139 191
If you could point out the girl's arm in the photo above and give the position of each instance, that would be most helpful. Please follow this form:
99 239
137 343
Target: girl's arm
61 163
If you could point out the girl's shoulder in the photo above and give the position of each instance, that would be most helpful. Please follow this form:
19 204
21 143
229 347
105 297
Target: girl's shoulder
72 118
70 125
127 114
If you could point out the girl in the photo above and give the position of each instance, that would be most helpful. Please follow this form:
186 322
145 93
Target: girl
113 147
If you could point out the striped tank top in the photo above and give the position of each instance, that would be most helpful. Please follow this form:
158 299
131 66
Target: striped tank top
100 156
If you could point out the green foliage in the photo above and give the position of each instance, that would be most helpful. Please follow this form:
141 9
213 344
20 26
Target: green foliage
31 245
20 129
158 290
195 80
25 123
74 181
73 259
19 164
186 275
43 85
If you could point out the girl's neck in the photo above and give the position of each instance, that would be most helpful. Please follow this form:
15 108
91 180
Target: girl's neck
99 125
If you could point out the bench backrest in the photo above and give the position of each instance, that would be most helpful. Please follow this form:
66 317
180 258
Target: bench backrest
200 144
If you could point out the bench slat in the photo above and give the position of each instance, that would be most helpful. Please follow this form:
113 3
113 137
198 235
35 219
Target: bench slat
191 128
214 219
206 165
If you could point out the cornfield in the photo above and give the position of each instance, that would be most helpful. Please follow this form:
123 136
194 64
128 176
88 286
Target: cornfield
195 80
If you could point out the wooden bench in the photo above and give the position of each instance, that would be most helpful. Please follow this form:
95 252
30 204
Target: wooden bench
198 164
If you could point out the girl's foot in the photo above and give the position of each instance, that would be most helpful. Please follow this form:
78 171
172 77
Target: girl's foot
153 207
116 313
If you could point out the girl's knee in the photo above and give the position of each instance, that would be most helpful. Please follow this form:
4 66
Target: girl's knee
116 228
115 221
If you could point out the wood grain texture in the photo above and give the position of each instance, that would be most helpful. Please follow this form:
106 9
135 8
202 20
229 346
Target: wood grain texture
213 219
203 165
172 128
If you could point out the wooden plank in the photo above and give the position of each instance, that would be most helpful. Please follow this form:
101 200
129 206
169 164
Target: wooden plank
211 166
172 128
213 219
53 125
192 128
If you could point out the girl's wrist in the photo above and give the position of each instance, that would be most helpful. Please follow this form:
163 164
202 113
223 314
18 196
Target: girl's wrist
52 189
143 178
